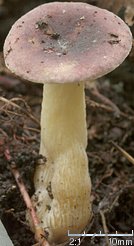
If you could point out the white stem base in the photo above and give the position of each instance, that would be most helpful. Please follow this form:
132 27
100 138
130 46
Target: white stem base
62 184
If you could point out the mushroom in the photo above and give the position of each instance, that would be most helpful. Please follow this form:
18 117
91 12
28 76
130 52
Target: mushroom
63 45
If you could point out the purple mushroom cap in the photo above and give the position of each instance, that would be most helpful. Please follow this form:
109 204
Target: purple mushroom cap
66 42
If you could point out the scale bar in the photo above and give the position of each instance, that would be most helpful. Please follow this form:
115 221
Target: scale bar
100 235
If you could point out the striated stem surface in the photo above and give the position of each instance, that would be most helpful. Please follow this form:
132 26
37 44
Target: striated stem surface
62 184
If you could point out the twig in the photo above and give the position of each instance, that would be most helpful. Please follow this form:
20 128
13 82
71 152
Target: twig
94 104
31 129
106 175
17 99
128 156
3 132
39 233
104 227
106 104
20 108
105 100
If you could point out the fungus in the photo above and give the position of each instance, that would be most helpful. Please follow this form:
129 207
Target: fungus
77 44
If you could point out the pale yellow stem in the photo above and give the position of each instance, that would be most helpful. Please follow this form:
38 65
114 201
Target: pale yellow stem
63 184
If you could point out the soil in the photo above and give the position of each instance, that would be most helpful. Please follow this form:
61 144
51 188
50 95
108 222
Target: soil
110 119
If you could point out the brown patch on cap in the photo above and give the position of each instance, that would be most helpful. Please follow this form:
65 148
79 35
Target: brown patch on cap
66 42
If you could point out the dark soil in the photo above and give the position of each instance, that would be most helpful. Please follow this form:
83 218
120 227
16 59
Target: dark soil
111 173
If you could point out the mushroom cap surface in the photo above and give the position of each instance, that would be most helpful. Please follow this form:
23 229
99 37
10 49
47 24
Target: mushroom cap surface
63 42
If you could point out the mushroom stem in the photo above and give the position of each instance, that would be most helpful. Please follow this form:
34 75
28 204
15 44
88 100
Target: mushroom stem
63 118
63 184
